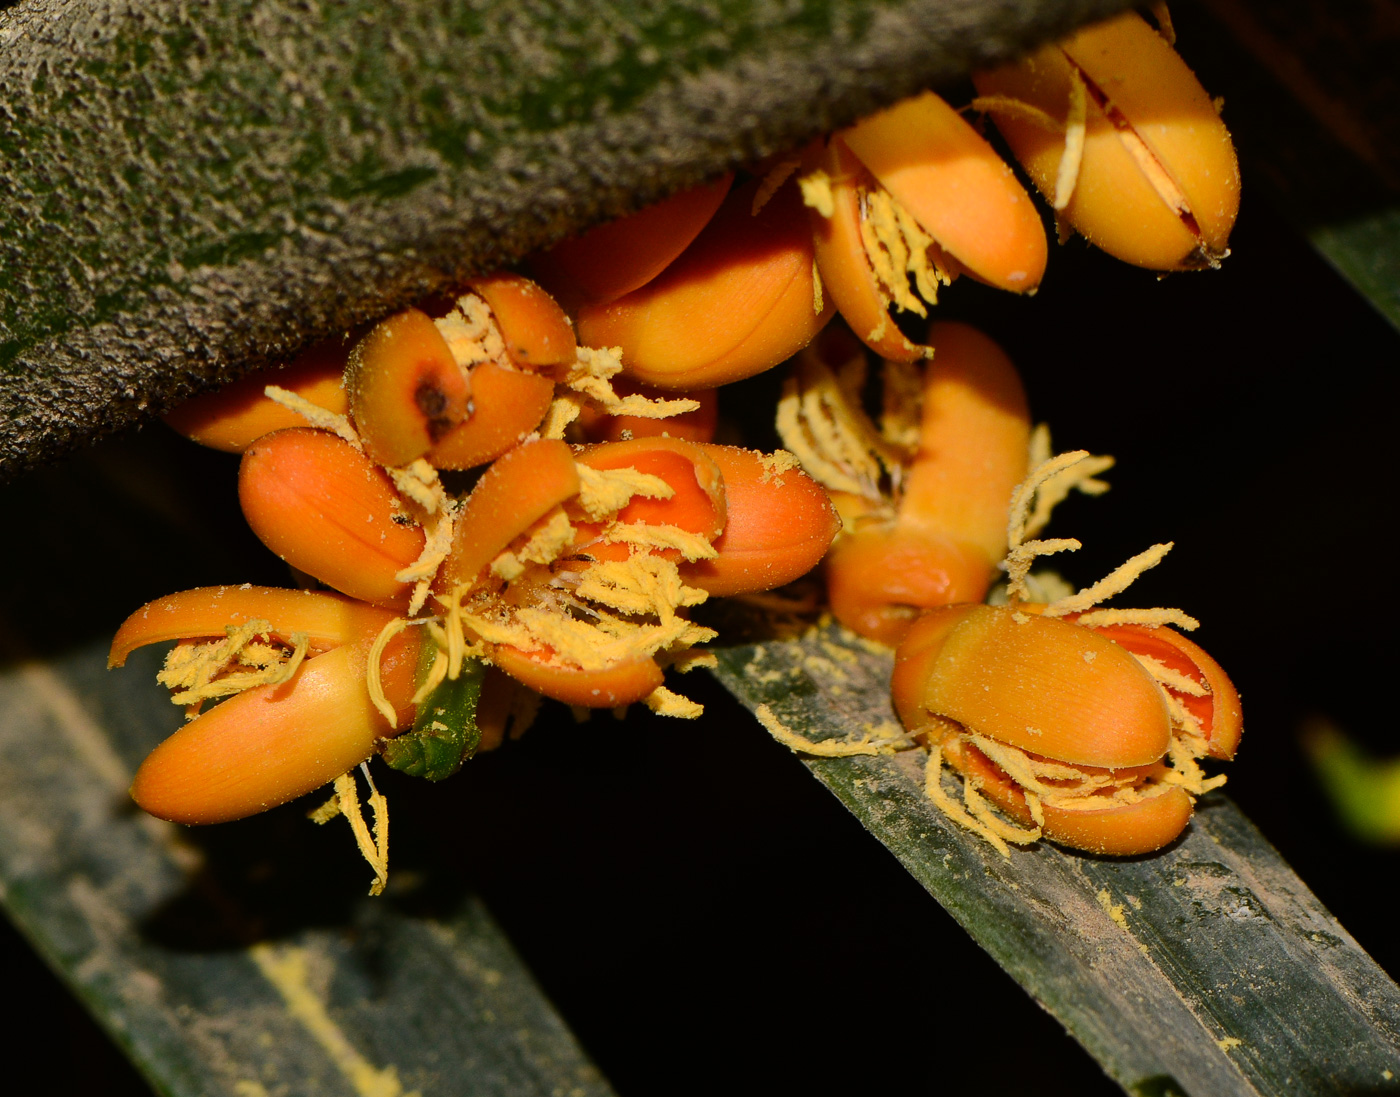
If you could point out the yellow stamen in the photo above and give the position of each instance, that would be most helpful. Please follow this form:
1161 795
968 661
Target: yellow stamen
1018 109
663 702
315 415
816 192
201 668
773 181
1075 131
1115 582
346 801
372 676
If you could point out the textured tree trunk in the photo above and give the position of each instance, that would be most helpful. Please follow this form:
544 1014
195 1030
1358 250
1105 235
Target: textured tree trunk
192 190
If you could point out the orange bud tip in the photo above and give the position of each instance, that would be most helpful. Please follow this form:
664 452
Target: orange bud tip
953 183
329 511
612 260
272 744
780 523
235 416
536 331
328 620
621 684
737 302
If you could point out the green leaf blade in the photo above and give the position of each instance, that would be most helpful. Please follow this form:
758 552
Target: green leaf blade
444 733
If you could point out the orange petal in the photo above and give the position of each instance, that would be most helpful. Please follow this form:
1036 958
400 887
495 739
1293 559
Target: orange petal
535 329
515 492
1116 830
737 302
239 414
329 511
952 182
616 685
1219 712
611 260
406 389
1122 830
914 660
841 259
973 443
879 578
507 404
272 744
329 620
779 524
1045 686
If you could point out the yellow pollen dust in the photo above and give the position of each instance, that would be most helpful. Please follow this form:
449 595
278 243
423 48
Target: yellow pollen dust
591 379
549 538
471 334
691 546
663 702
775 464
202 672
555 600
897 247
816 192
604 492
821 422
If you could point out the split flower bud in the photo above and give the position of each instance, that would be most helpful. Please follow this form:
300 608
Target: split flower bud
1118 134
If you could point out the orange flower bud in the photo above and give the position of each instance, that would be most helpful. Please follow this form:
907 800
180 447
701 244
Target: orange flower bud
329 511
272 744
614 259
406 390
738 301
516 491
948 532
1158 184
238 414
1061 725
951 181
973 443
841 257
536 332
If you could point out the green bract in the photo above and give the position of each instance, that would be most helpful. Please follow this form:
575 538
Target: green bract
444 733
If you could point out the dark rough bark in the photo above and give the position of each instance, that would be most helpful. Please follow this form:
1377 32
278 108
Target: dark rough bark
192 190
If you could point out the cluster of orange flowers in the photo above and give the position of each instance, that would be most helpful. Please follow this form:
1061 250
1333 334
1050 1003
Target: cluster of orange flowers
578 406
